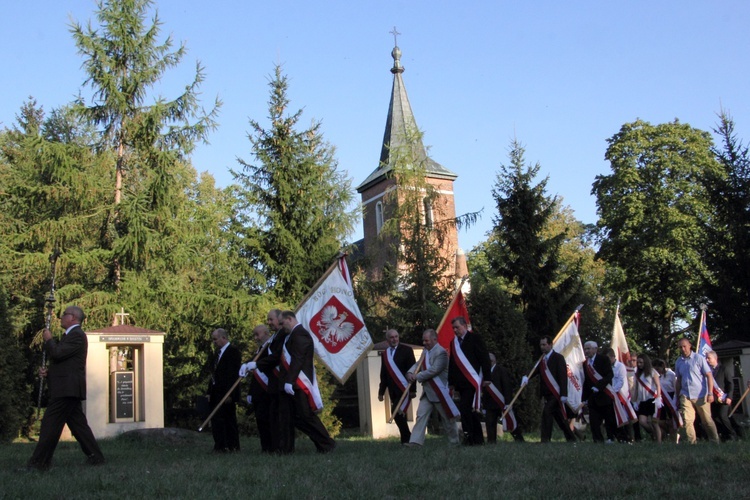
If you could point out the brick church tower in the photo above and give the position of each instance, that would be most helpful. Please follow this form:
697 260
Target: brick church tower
401 132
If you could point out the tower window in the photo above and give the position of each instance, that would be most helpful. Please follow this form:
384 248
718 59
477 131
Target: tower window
379 216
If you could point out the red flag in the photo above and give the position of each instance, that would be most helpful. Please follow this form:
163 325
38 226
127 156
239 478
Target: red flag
455 309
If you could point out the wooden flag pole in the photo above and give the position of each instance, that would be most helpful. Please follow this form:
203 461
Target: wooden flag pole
737 405
533 369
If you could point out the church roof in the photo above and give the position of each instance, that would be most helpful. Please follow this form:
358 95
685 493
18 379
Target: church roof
399 124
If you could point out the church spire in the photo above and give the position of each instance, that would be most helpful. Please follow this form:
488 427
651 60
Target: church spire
401 128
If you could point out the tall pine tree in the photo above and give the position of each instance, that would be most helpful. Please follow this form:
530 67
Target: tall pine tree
294 211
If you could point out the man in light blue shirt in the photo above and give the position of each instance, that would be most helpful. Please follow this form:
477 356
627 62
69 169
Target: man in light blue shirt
695 387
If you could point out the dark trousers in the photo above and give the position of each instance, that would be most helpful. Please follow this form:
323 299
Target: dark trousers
720 415
491 417
471 421
295 411
262 406
61 411
224 428
551 410
598 415
399 418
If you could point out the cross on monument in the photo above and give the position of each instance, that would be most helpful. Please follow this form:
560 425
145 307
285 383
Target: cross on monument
122 315
395 34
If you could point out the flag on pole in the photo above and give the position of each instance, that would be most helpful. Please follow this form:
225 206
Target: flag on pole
704 341
618 342
331 315
568 343
456 308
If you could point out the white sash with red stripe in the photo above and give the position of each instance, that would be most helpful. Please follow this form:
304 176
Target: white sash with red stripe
470 374
304 384
397 377
650 390
552 385
624 413
509 422
442 392
261 377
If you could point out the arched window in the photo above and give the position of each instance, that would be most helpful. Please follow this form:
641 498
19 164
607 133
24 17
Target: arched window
379 216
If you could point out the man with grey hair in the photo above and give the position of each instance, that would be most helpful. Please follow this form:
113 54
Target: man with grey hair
396 359
598 375
66 378
695 387
435 395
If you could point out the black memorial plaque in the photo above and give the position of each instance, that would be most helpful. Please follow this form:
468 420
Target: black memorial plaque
124 395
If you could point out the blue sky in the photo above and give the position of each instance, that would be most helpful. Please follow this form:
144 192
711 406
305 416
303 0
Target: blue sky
561 77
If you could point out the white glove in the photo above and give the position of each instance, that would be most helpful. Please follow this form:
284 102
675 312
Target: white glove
563 399
247 368
524 381
249 399
289 389
635 406
595 389
658 403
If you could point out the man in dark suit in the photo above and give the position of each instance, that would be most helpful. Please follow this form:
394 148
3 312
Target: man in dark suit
258 395
723 380
469 363
297 374
66 378
225 367
598 375
553 371
501 379
269 363
396 361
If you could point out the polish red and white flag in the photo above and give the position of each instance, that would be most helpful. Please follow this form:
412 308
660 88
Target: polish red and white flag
331 315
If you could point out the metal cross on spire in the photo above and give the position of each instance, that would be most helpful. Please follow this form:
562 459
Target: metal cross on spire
395 34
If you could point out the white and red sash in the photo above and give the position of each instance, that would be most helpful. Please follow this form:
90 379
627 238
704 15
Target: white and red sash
470 374
509 422
310 388
624 413
650 390
549 380
398 378
259 376
442 392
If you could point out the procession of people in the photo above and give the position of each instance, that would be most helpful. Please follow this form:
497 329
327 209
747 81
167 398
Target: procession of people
465 383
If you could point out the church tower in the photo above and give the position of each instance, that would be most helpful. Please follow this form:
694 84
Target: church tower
401 132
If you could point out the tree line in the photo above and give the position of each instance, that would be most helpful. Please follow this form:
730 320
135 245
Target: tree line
108 181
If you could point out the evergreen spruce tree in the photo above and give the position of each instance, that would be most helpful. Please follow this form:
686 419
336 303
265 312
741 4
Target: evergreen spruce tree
729 238
525 252
294 210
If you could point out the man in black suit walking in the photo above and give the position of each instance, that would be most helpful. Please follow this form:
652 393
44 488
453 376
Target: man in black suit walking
224 372
598 374
66 377
397 358
553 371
724 388
500 378
468 372
300 400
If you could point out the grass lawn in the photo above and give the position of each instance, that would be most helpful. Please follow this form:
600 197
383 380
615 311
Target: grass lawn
183 467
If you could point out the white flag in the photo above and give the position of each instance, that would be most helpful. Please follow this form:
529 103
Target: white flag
569 345
332 317
618 342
